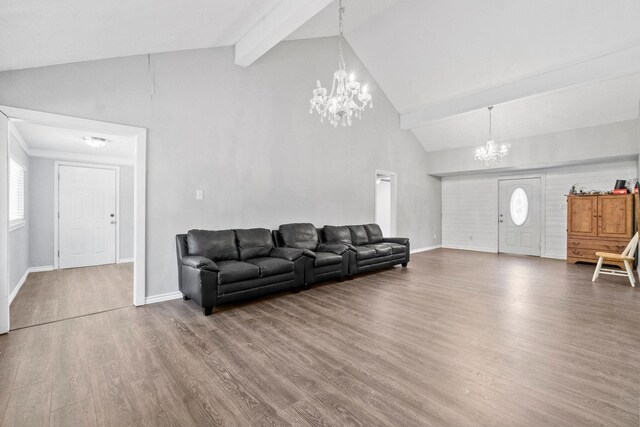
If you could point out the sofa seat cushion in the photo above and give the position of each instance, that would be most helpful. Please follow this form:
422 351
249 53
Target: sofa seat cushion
363 252
270 266
381 249
236 271
397 248
327 258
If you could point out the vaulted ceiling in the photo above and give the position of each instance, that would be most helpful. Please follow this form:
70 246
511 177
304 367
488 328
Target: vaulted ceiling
547 65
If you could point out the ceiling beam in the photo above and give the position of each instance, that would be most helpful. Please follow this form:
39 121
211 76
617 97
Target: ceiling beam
610 65
281 21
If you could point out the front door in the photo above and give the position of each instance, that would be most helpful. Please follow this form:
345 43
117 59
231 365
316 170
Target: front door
519 216
87 216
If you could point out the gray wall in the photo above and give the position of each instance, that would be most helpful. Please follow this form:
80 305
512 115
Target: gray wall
19 238
245 137
41 218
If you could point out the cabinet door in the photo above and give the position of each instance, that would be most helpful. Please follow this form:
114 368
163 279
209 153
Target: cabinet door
583 216
615 216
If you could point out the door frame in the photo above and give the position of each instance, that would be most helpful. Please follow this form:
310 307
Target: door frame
56 206
394 198
139 136
543 208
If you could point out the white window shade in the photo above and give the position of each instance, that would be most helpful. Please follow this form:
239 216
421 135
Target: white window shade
16 192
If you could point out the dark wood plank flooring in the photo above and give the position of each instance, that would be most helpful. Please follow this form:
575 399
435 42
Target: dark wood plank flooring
62 294
459 338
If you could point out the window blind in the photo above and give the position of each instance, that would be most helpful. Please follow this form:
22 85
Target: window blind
16 192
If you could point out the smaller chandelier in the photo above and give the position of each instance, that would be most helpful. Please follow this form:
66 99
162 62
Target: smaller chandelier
491 152
341 105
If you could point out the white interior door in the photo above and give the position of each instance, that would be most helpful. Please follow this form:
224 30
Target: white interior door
87 216
383 204
519 215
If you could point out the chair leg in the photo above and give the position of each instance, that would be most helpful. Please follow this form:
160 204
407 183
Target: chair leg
630 273
598 267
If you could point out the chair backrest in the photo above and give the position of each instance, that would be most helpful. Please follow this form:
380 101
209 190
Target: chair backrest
630 250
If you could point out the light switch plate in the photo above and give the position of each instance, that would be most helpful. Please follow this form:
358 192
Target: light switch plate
199 195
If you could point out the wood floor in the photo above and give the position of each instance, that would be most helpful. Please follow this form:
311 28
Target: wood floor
62 294
459 338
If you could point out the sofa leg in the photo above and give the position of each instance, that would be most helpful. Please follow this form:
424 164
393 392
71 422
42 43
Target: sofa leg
186 298
404 264
207 310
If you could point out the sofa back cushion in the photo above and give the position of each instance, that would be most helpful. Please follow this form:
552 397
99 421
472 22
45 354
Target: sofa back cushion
299 236
215 245
358 235
337 234
374 233
254 243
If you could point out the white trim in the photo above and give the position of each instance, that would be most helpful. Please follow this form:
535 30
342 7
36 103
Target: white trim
15 291
139 250
394 198
75 157
56 206
14 225
163 297
13 130
124 260
471 248
426 248
40 268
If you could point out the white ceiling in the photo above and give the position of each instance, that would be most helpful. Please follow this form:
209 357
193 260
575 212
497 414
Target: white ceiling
44 140
572 108
423 54
57 32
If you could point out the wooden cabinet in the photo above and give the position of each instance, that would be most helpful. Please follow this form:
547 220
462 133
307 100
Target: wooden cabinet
598 223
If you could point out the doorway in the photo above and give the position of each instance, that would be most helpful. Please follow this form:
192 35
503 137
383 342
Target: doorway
88 227
519 216
385 202
88 216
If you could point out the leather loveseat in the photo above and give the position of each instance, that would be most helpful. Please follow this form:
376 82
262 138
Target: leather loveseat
217 267
369 249
325 261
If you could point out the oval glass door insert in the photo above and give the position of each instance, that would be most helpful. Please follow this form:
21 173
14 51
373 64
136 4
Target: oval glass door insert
519 206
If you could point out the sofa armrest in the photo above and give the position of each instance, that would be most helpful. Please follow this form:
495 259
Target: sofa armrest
291 254
200 263
335 248
399 240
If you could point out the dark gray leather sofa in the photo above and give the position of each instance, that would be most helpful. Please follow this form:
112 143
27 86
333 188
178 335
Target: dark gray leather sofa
217 267
369 250
325 261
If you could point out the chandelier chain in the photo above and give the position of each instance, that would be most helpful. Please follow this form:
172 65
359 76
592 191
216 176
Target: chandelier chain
341 63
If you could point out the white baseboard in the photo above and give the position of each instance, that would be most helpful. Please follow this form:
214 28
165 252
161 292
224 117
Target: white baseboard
470 248
124 260
163 297
17 288
41 268
426 248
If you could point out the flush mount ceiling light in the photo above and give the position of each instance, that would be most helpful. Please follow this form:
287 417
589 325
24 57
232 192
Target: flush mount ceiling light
95 142
491 152
340 106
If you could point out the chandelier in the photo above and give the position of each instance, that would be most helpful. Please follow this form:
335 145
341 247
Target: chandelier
341 105
490 152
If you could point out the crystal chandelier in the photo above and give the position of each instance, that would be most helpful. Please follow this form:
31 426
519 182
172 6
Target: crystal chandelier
341 105
490 152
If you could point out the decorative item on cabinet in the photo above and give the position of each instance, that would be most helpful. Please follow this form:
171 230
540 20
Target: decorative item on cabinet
598 223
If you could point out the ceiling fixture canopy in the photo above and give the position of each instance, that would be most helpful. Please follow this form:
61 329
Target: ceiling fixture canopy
490 152
341 105
95 142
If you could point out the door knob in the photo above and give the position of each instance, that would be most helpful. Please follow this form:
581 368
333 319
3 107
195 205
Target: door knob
113 222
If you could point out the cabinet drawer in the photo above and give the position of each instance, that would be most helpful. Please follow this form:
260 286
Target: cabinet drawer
582 253
614 246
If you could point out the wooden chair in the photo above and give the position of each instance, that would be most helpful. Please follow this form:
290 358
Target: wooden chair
626 257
